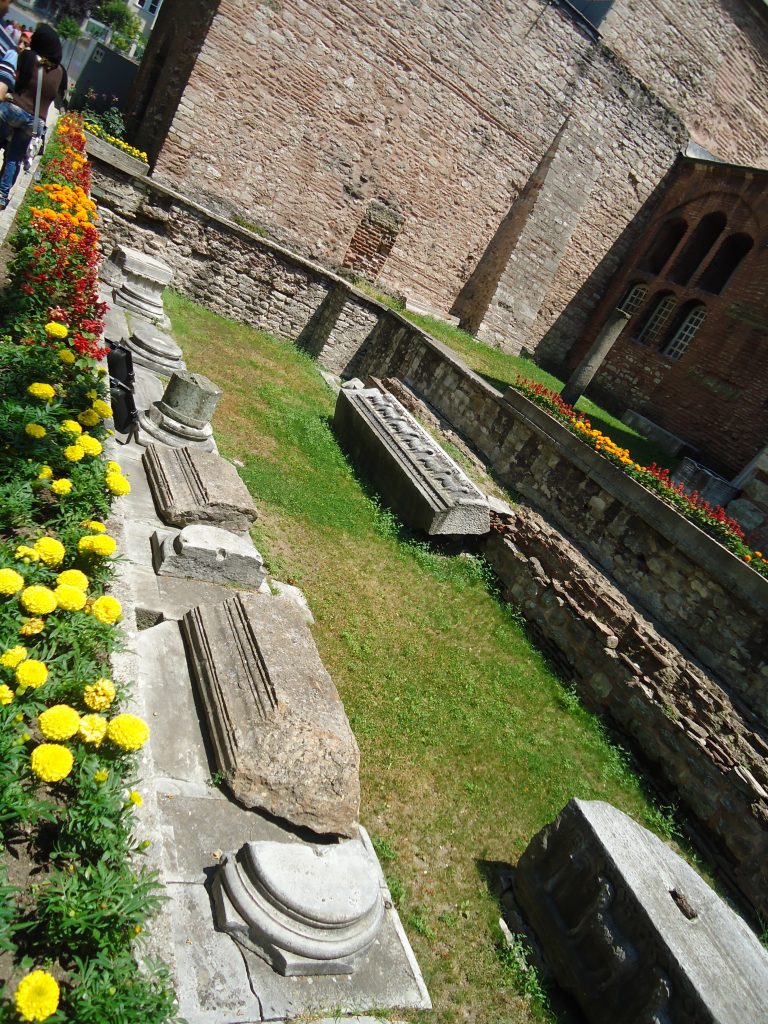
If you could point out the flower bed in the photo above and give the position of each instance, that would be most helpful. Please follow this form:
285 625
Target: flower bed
98 131
713 519
67 752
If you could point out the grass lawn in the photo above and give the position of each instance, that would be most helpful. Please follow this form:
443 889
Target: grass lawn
501 369
469 743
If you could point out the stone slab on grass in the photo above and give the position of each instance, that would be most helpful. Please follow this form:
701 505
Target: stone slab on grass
631 930
278 729
413 474
193 486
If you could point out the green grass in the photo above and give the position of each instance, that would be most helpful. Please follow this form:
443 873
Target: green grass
469 743
501 369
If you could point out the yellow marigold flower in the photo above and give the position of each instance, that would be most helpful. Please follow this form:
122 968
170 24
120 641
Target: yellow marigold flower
67 356
93 729
31 673
38 600
13 656
54 330
26 554
68 598
31 627
89 444
92 394
73 453
37 996
114 467
106 609
94 526
128 732
88 418
51 551
99 695
45 473
62 486
70 427
117 484
51 762
60 722
73 578
135 798
102 545
35 430
6 694
102 408
101 775
42 391
11 582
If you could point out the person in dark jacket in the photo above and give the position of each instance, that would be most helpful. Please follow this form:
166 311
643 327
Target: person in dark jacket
40 63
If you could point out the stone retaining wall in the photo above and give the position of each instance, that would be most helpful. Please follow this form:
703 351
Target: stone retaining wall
699 592
685 725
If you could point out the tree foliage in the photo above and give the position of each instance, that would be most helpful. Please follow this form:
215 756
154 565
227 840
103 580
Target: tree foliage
77 9
119 17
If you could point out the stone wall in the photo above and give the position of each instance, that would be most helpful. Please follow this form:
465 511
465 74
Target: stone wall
299 116
686 727
699 592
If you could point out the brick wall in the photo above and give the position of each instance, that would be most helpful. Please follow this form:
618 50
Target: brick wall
715 396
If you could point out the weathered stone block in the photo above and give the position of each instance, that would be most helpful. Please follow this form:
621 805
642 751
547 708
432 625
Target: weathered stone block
413 474
189 486
182 416
305 909
208 553
278 729
154 349
631 930
141 282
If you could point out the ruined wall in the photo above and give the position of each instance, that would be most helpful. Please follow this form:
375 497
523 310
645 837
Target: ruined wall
701 593
299 116
686 726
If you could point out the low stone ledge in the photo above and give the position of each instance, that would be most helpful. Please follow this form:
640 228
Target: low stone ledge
278 729
631 930
414 475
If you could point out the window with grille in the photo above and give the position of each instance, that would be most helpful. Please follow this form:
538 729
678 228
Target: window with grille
634 298
685 333
150 6
657 319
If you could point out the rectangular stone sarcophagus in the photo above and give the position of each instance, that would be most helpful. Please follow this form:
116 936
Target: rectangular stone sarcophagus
278 729
410 470
631 930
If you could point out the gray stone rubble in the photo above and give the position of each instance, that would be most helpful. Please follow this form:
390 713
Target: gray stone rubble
190 822
413 474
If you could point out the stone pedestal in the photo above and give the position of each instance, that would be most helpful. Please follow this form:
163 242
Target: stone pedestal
278 730
631 930
305 909
410 470
182 416
192 486
154 349
139 281
208 553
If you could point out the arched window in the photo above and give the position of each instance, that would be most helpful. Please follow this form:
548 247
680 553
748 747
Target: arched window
633 298
724 263
657 319
698 245
664 244
694 315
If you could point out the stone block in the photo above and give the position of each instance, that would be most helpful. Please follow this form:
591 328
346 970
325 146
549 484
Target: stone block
411 471
278 729
305 909
152 348
631 930
208 553
295 594
182 416
139 282
190 486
